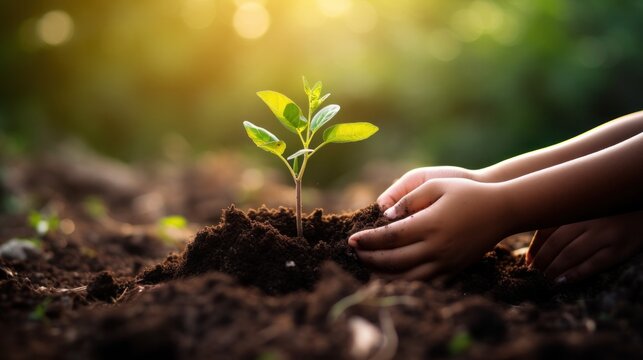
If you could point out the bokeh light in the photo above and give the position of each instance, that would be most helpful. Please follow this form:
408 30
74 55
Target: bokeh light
462 82
362 17
251 20
334 8
55 27
198 14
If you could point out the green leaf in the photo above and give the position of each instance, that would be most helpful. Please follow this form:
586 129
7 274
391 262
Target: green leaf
323 116
264 139
306 85
286 111
95 207
323 98
460 343
174 221
300 153
42 223
349 132
316 90
40 312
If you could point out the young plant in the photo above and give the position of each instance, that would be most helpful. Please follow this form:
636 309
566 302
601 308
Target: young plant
292 118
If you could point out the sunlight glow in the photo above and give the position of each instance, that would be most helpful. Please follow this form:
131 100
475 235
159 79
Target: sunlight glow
334 8
198 14
55 27
477 19
251 20
443 45
362 17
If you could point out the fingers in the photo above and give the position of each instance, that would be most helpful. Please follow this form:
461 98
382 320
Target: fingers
537 242
400 233
601 260
401 187
396 260
416 200
555 244
580 249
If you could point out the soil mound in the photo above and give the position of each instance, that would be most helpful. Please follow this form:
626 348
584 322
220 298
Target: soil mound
260 248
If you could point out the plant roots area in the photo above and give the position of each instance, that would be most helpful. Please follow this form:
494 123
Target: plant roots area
108 283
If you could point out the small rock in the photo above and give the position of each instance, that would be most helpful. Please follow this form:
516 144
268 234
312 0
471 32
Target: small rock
19 249
366 337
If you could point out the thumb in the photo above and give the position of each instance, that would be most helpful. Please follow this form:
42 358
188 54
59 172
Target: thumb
402 186
416 200
537 241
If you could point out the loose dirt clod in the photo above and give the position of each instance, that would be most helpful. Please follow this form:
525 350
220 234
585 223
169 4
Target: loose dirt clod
104 288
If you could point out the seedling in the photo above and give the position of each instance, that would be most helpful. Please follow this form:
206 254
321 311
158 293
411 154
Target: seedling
95 207
43 223
170 228
292 118
460 343
40 312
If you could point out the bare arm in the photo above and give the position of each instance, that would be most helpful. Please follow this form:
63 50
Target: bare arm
603 183
599 138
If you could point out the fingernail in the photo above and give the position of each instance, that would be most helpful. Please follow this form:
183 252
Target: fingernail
390 213
352 241
560 280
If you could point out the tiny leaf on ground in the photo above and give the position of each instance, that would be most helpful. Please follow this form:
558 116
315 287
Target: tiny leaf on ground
174 221
460 343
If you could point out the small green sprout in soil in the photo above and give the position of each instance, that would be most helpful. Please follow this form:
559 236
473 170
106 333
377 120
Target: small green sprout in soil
460 343
169 228
290 115
40 312
95 207
43 223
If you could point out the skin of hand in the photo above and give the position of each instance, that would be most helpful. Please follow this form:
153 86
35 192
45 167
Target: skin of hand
416 177
427 242
576 251
446 225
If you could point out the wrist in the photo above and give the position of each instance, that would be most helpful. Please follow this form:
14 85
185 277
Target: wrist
508 214
483 175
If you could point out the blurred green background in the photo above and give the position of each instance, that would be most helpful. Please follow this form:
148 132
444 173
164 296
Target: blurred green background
465 83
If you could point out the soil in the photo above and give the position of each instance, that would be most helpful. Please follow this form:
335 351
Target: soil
248 288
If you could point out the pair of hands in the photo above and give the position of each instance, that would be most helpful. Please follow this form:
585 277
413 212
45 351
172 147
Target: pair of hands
450 217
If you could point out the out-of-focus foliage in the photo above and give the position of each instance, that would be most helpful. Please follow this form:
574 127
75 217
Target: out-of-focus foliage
462 82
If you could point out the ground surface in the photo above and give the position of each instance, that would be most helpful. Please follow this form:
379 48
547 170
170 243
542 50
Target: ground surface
111 285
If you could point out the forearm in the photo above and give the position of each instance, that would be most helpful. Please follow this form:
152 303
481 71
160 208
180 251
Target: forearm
603 183
594 140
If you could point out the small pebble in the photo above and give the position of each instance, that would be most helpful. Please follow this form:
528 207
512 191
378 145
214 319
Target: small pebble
18 249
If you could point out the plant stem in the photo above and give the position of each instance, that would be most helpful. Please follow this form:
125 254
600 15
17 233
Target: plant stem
300 230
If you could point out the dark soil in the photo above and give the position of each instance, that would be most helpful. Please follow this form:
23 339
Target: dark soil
247 288
260 249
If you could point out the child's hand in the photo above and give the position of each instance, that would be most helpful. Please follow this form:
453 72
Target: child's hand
451 223
576 251
416 177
